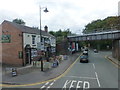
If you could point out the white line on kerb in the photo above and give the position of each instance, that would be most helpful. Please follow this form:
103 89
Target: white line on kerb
97 79
94 65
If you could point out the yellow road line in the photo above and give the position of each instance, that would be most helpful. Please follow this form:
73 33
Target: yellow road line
5 85
116 65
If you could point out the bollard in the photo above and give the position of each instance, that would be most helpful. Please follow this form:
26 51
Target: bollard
14 72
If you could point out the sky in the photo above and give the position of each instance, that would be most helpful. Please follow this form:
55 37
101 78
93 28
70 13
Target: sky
63 14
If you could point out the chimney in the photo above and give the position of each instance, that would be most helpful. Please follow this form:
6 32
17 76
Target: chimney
46 28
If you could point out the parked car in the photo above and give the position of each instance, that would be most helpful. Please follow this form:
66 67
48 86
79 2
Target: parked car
84 59
95 50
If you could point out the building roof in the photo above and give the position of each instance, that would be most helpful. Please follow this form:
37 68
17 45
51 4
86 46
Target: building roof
26 29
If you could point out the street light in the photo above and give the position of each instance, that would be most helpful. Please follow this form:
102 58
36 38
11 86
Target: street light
41 30
40 18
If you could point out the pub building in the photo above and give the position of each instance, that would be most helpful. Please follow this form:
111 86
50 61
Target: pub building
21 44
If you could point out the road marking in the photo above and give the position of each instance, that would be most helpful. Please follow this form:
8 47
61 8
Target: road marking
52 83
66 83
42 87
48 86
86 85
71 85
97 79
47 83
80 77
38 83
117 65
76 84
93 65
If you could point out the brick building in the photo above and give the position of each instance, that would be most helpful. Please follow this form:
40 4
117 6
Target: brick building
20 44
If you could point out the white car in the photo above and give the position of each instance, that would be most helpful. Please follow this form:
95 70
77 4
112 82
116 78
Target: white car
85 52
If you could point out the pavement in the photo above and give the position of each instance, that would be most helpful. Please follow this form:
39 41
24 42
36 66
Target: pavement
30 75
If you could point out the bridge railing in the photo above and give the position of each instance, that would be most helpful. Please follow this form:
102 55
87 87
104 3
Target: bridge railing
101 30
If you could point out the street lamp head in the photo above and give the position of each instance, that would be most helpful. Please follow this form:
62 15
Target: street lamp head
46 10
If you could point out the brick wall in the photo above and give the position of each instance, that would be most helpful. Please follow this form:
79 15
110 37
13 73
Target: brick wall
10 50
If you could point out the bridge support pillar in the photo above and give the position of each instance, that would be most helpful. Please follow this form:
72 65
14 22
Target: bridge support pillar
98 46
116 49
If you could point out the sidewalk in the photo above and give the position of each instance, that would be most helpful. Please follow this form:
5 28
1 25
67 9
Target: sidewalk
33 75
117 62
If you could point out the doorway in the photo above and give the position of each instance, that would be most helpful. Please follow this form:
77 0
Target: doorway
27 54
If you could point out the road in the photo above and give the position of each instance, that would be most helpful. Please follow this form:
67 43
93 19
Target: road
98 73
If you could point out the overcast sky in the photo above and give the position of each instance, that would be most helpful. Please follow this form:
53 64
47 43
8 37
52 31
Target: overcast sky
63 14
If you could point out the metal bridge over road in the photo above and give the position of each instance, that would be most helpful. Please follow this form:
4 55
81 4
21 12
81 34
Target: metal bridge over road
113 35
96 36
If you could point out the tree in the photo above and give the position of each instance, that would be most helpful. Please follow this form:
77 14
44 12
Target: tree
52 33
108 23
19 21
60 34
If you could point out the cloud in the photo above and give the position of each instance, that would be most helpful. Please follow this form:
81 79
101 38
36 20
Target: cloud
63 14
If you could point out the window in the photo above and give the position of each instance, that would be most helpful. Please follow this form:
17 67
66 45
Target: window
20 54
33 39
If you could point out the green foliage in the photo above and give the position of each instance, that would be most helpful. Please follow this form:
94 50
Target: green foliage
19 21
102 45
112 22
60 35
109 23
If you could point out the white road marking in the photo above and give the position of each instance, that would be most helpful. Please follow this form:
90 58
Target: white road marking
51 84
80 84
47 83
66 83
97 79
71 85
86 85
48 86
94 65
42 87
80 77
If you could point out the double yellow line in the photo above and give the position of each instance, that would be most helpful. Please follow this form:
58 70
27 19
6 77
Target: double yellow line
38 83
117 65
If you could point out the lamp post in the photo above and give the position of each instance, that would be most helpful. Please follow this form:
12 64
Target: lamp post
41 30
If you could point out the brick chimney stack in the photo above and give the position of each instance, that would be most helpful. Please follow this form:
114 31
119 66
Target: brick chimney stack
46 28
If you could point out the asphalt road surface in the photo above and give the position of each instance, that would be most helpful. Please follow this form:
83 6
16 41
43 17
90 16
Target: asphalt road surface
98 73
